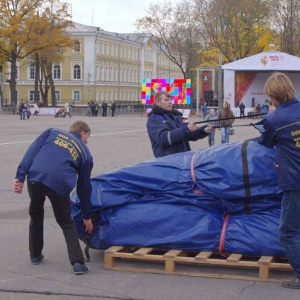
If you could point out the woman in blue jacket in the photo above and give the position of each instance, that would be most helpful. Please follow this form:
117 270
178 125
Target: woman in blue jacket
167 132
282 130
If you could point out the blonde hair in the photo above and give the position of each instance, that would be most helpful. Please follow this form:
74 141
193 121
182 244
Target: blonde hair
279 87
79 126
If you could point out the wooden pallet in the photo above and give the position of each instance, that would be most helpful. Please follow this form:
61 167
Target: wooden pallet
191 263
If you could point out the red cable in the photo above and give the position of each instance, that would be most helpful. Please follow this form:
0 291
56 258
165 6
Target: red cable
223 233
192 168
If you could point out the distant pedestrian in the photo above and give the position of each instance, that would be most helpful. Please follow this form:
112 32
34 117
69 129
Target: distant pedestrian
242 109
92 105
21 110
96 109
67 109
225 119
104 109
211 119
204 110
113 108
36 109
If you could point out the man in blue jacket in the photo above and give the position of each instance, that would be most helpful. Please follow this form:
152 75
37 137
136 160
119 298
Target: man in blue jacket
282 130
167 132
54 164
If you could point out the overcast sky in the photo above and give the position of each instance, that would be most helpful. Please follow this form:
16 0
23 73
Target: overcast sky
111 15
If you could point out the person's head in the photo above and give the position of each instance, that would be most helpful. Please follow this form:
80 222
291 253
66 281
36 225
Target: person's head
225 105
212 112
82 129
279 88
163 100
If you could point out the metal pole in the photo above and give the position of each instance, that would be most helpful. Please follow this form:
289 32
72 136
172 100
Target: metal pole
220 84
197 109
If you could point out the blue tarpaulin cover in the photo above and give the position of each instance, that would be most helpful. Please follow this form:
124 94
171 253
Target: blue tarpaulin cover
223 198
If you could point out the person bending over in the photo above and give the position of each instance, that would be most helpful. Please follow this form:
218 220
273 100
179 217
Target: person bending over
55 178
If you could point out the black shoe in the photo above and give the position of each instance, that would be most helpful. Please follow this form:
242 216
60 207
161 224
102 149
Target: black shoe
293 284
37 260
80 268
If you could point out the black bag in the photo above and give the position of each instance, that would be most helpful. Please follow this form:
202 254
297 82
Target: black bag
231 131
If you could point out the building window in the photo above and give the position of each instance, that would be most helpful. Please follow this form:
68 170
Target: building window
76 72
56 72
102 48
57 96
31 70
31 96
76 96
102 73
77 47
116 73
107 74
97 72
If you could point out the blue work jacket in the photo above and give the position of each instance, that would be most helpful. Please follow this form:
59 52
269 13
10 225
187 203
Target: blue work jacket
168 134
61 161
282 130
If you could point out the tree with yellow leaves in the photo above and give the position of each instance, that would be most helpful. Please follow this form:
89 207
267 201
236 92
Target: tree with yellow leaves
234 27
28 26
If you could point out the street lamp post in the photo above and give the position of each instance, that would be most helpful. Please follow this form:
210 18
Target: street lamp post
89 77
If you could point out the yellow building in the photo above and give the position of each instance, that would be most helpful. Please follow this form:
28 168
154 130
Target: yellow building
104 66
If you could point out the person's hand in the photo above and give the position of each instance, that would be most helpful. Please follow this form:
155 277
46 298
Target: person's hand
18 186
88 226
219 128
209 128
192 126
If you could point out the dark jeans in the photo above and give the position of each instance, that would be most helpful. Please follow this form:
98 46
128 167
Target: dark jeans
62 212
289 229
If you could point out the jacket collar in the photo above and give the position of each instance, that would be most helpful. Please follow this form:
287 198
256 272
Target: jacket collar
157 110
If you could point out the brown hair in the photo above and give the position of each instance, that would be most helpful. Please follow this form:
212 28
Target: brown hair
79 126
160 94
228 111
279 87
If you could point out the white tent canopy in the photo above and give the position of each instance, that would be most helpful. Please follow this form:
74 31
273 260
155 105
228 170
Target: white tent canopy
244 79
266 61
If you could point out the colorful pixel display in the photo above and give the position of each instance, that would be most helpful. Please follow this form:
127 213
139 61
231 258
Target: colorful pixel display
180 89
